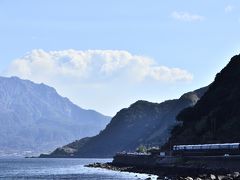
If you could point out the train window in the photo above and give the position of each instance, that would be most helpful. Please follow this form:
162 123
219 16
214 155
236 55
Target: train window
225 146
236 146
214 146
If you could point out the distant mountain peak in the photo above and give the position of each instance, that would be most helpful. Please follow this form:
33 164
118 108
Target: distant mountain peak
194 96
34 117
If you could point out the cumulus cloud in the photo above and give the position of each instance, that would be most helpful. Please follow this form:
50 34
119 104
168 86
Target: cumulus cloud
186 16
92 65
104 80
229 8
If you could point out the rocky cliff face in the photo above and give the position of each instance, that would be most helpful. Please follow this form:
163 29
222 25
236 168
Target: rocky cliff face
216 117
142 123
34 118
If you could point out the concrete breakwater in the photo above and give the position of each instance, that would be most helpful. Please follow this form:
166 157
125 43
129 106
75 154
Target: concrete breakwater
176 167
134 159
170 165
214 163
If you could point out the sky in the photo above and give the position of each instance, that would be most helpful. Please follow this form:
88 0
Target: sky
105 55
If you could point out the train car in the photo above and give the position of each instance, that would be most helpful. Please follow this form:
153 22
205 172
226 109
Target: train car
207 149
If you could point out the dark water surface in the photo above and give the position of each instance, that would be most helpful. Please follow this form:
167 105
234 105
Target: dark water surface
21 168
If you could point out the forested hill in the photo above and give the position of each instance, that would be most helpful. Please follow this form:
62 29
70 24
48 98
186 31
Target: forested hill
143 123
216 116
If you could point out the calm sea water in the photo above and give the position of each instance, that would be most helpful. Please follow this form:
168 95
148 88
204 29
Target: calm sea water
60 169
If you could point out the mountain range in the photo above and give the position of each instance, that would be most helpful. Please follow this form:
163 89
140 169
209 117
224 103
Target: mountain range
143 123
35 118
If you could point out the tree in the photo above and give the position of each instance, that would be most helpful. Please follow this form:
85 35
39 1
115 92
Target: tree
141 149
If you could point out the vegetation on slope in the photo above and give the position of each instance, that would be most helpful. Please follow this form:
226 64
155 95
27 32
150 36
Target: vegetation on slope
143 123
216 117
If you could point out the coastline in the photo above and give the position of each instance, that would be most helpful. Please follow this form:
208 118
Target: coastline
172 172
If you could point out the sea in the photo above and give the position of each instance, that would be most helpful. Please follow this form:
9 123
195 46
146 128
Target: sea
35 168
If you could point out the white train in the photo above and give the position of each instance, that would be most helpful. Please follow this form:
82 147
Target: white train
207 149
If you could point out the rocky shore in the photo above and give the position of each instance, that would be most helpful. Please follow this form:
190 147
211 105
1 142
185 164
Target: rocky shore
173 172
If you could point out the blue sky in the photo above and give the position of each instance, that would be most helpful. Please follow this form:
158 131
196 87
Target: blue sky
196 37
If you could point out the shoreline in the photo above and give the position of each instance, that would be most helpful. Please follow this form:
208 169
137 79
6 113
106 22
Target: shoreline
172 172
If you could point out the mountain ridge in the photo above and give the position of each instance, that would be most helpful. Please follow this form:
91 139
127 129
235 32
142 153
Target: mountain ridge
215 117
141 123
36 118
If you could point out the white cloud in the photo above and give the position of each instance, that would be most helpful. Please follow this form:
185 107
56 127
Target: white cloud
229 8
104 80
186 16
92 65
